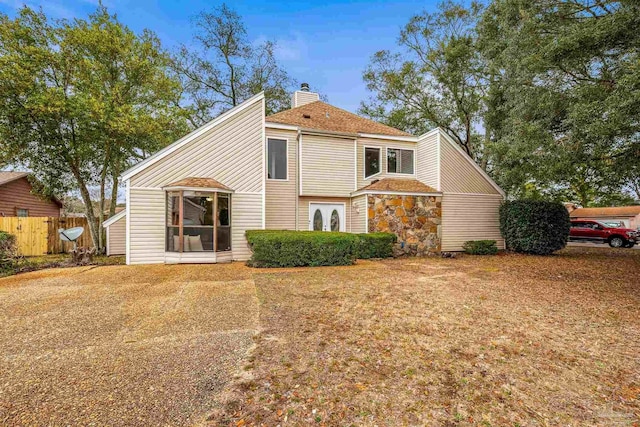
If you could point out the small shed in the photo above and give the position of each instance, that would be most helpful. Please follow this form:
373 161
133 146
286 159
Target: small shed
116 227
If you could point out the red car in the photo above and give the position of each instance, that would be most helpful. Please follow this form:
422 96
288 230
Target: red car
599 232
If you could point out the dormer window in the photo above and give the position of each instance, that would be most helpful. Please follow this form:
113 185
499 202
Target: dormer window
371 161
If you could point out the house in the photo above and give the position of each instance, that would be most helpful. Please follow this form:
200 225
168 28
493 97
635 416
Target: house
18 199
629 216
313 167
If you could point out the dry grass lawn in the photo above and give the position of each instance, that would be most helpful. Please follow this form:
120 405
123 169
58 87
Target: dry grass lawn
492 341
122 346
475 341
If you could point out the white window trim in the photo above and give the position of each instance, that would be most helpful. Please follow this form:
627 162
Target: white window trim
400 173
286 140
364 159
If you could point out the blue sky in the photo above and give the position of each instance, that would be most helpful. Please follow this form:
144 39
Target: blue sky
325 43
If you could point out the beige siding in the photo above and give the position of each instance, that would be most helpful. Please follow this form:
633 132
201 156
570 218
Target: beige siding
427 152
470 217
116 243
383 145
327 166
230 152
300 98
147 218
303 210
246 214
359 214
458 175
281 195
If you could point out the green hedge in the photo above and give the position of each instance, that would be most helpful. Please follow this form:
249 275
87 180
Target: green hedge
376 245
480 247
275 248
534 227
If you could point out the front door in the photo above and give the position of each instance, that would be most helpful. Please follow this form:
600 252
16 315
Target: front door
326 217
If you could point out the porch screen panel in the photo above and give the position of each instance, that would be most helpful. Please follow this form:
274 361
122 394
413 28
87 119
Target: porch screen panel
224 222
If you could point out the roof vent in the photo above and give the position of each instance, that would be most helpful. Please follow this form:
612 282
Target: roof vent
374 181
304 87
306 116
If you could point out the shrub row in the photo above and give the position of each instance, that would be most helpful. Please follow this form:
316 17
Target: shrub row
480 247
278 248
376 245
534 227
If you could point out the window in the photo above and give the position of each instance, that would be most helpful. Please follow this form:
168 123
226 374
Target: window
198 221
277 159
400 161
371 161
22 212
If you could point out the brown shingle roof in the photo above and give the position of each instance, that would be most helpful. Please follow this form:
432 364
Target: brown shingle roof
399 185
322 116
6 177
194 182
605 212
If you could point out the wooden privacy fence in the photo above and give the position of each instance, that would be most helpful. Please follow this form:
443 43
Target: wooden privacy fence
39 235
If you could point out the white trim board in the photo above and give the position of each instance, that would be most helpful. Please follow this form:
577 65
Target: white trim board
190 137
264 166
114 218
272 125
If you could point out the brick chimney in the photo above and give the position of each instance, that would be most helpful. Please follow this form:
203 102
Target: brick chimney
303 96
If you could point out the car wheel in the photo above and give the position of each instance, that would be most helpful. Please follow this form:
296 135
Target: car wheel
616 242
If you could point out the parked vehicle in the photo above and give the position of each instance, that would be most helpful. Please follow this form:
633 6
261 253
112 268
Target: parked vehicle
599 232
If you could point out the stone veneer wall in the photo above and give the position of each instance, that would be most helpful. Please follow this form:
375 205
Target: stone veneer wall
414 219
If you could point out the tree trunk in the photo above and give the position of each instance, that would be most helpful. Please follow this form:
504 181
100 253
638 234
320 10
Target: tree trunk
91 218
114 193
101 210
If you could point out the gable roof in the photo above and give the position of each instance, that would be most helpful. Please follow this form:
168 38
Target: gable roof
114 218
397 185
319 115
605 212
6 176
190 137
195 182
9 176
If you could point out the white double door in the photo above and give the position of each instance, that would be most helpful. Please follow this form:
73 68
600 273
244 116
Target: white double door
326 217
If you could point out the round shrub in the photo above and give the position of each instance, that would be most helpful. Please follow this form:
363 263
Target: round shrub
534 227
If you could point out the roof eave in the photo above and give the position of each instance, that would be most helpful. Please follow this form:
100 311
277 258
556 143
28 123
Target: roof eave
395 193
205 189
114 218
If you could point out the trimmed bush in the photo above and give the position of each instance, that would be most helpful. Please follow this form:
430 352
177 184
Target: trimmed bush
275 248
480 247
376 245
534 227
